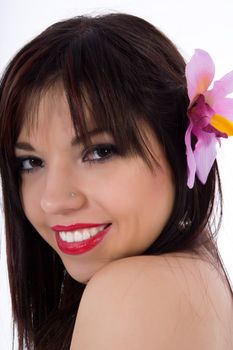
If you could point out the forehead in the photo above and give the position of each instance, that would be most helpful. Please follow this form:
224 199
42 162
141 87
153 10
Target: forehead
49 110
41 110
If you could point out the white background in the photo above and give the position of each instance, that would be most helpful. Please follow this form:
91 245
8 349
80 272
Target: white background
190 24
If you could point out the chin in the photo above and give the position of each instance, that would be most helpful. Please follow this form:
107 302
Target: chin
80 277
82 273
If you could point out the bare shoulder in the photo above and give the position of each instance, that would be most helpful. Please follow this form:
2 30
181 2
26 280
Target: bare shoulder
163 302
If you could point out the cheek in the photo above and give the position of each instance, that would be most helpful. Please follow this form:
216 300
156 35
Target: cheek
136 193
29 200
153 199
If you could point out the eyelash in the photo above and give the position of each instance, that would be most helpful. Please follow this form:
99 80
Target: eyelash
110 148
21 166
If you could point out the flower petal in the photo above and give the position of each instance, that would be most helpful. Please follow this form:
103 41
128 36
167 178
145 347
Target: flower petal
204 153
224 107
199 73
222 87
190 156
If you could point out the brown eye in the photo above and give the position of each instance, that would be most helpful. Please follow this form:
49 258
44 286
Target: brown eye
99 153
29 163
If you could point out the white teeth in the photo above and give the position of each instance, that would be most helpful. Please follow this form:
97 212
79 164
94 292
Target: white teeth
77 236
95 230
86 234
63 235
69 237
80 235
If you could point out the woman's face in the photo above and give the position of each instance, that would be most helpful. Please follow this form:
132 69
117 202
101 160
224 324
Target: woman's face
92 206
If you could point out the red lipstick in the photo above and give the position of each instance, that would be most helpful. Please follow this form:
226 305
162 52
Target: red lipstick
74 227
75 248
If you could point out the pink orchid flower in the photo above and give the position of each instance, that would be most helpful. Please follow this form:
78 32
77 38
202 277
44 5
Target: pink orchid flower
210 114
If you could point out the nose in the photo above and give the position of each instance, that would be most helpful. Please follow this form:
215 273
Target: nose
61 193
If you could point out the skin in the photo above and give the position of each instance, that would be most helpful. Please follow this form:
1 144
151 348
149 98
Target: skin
122 191
172 301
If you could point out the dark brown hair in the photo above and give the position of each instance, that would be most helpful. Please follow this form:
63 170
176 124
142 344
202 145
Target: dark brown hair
131 73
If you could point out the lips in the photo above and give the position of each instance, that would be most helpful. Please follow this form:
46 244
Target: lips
74 227
79 238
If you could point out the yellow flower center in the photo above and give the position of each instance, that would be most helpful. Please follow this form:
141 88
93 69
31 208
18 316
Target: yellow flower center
222 124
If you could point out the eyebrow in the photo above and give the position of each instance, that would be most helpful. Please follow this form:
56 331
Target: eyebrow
25 146
91 133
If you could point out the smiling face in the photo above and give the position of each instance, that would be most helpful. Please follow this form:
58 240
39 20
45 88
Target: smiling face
70 193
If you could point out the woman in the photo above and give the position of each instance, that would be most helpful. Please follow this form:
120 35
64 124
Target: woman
108 207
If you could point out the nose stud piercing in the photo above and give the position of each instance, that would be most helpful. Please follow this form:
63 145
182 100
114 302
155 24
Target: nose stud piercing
72 194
